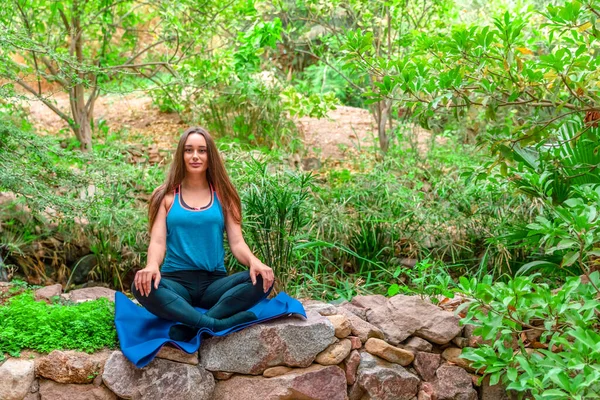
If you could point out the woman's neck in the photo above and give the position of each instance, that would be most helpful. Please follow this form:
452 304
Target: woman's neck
195 182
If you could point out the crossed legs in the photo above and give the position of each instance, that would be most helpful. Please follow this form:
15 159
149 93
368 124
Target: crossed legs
227 299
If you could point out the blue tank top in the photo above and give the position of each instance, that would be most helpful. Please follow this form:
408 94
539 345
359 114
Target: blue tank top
195 237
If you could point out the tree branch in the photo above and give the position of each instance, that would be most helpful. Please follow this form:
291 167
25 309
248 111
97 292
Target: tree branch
45 101
148 64
148 48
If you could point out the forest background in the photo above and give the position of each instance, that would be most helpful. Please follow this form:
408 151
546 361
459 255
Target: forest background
474 182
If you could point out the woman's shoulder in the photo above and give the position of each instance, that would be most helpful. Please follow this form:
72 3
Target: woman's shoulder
168 200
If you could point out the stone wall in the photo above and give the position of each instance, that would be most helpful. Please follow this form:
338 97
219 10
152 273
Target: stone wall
371 348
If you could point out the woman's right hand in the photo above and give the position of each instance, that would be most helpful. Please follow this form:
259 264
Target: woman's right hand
143 280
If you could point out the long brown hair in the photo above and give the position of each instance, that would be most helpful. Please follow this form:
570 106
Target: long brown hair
215 174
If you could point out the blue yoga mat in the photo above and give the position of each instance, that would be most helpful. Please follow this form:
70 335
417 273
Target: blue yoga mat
142 334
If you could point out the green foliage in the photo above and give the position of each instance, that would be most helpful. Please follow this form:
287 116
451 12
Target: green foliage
320 79
275 212
27 324
315 105
568 320
69 196
251 112
426 279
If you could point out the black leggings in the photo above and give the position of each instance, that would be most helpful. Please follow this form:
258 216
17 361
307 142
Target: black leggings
223 296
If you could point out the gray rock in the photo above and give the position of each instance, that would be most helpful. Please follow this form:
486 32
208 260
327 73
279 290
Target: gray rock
417 344
161 379
46 293
461 342
292 342
426 364
313 383
324 309
91 293
16 377
360 328
382 380
360 312
169 352
402 316
453 383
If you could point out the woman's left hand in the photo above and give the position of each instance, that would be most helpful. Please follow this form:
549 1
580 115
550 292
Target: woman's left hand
258 268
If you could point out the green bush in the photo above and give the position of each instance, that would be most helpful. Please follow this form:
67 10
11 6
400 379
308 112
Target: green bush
568 320
275 215
28 324
252 112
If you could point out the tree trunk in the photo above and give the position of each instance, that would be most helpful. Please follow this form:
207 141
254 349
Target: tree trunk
81 115
81 118
382 113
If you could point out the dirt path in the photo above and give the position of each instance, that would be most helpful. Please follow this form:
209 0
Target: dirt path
345 132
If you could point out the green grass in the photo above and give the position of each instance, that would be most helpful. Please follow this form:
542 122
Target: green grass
27 324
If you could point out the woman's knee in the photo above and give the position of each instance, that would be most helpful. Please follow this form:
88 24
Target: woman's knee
144 300
135 292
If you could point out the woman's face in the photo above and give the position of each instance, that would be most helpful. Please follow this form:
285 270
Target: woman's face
195 154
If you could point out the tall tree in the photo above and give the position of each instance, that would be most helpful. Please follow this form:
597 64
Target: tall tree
81 44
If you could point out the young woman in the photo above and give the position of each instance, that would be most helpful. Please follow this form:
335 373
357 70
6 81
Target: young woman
188 215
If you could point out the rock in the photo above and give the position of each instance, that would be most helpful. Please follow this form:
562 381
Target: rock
417 344
381 380
91 293
82 268
472 339
16 377
351 366
388 352
71 366
468 330
496 392
426 392
362 329
360 312
50 390
461 342
222 376
324 309
453 383
316 382
341 325
46 293
311 163
452 354
335 353
426 364
293 342
355 392
402 316
161 379
174 354
276 371
356 343
97 381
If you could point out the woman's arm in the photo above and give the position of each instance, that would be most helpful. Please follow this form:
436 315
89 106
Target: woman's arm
156 252
243 254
